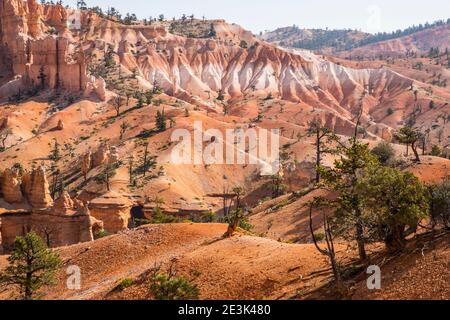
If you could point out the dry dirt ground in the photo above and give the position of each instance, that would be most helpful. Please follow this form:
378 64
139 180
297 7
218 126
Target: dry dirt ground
243 267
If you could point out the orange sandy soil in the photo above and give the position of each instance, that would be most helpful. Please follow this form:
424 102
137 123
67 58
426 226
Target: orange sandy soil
243 267
421 273
431 169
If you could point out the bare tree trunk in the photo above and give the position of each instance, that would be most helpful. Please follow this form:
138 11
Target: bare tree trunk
145 159
416 154
361 243
28 290
395 240
107 182
318 157
330 252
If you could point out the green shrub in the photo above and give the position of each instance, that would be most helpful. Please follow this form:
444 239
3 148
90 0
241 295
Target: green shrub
245 224
165 287
102 234
384 152
320 236
241 219
439 197
142 222
123 284
281 205
206 217
436 151
158 217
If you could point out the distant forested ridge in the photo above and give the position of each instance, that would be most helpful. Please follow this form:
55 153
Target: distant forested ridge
339 40
383 36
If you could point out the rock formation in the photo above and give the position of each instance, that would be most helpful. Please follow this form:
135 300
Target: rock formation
40 51
60 125
97 226
26 183
101 156
63 205
38 41
39 192
113 209
11 186
113 155
60 223
86 163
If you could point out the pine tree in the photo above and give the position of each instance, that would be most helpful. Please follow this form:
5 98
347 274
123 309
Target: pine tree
31 266
161 125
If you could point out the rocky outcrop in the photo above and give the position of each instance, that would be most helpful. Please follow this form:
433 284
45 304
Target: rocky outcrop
113 209
97 226
62 223
57 230
64 205
101 156
114 156
60 125
56 16
11 186
39 192
86 163
40 50
35 13
96 86
104 155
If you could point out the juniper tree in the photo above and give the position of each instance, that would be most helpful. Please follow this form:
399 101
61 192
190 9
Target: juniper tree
131 169
42 76
394 202
439 196
343 179
236 215
108 172
410 136
55 157
169 286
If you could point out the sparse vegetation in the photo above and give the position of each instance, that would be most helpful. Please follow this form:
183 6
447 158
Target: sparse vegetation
123 284
169 286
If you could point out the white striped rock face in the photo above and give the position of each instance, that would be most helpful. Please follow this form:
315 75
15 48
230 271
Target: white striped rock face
196 69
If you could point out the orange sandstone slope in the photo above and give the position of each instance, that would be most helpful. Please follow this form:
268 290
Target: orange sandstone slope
195 69
287 88
242 267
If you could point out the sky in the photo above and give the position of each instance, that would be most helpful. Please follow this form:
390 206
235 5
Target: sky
260 15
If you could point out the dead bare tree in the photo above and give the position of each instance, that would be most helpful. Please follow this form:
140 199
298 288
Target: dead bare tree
330 251
321 134
226 201
47 231
117 103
